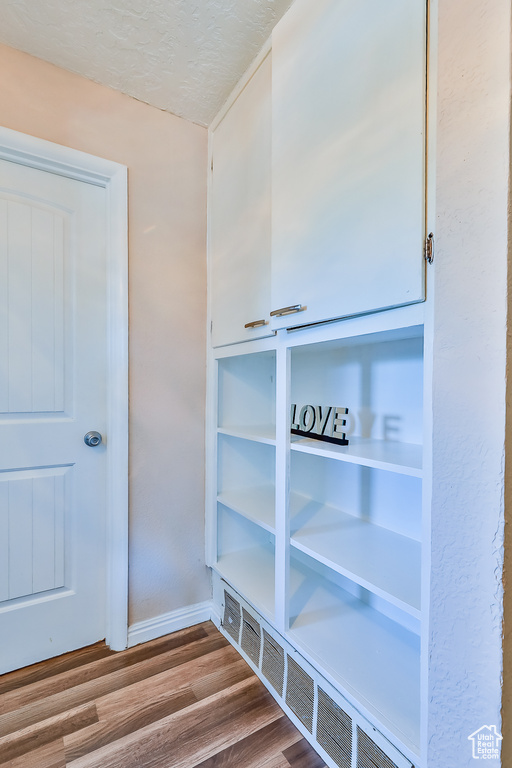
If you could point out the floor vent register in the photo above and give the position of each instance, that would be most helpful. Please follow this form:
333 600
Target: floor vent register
341 735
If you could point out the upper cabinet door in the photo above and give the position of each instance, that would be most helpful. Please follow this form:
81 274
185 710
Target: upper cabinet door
348 158
240 211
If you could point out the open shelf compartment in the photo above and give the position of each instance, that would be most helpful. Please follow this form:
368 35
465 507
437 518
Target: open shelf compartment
364 523
379 378
246 479
246 559
247 396
360 642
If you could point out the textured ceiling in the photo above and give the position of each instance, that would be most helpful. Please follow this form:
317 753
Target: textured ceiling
184 56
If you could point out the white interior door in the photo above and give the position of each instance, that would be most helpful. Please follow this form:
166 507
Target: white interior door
53 357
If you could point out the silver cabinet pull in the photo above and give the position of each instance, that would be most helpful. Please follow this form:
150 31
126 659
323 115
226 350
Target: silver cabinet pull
288 310
256 324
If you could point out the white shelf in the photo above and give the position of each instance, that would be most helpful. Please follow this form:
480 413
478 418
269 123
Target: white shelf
256 504
403 458
382 561
375 659
251 573
256 433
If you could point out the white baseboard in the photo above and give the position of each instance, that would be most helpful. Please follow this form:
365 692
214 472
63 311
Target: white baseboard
173 621
216 615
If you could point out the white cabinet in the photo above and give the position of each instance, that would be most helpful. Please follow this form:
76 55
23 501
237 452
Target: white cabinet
317 199
348 157
240 215
317 212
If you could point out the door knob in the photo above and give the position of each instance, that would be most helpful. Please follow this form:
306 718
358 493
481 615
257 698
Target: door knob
92 438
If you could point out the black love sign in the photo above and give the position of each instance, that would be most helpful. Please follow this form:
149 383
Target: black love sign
320 422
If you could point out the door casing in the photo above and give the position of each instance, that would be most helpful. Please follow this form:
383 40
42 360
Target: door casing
45 155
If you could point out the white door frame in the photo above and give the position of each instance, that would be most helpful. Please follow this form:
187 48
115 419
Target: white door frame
44 155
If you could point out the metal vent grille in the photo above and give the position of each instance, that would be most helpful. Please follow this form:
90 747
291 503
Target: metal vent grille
272 664
231 620
334 730
369 755
251 637
300 693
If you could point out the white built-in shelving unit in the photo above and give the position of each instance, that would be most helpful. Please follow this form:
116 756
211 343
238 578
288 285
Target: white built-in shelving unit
324 540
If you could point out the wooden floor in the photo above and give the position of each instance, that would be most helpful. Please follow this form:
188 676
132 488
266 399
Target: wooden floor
183 701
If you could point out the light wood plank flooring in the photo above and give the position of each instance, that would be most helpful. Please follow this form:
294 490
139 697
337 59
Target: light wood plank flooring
183 701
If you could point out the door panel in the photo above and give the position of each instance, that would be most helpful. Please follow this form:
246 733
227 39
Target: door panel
31 347
241 214
53 348
33 505
348 157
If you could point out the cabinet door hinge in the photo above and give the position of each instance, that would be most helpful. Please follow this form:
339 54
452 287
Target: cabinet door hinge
429 248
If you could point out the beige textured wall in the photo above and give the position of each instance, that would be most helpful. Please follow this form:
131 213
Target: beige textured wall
470 496
166 158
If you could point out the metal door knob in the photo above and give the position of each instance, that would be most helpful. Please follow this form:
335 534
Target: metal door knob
93 439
